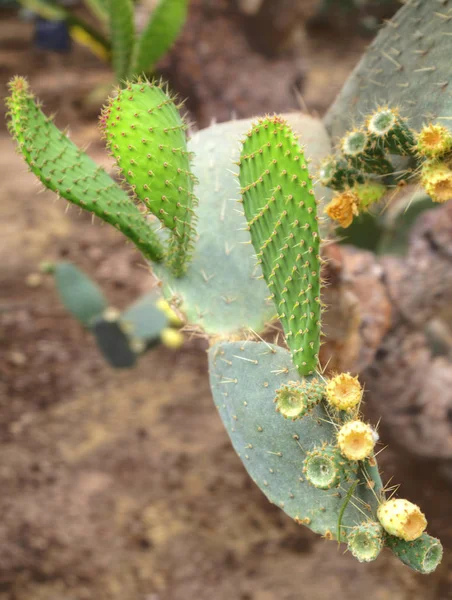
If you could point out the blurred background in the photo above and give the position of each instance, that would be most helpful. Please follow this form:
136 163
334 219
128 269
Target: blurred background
122 484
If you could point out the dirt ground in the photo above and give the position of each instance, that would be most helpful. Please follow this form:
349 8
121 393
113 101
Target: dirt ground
124 485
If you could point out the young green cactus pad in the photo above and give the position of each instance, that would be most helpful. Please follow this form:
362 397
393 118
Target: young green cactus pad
366 541
146 135
68 171
406 66
390 132
297 463
281 211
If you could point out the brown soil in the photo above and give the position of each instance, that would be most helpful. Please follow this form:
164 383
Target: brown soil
123 485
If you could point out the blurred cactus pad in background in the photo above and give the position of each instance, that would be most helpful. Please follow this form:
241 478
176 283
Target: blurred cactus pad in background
230 222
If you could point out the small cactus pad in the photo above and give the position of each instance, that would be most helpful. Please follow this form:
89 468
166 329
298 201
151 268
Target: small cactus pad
406 66
294 399
245 377
146 136
423 555
281 211
79 294
366 541
70 172
113 341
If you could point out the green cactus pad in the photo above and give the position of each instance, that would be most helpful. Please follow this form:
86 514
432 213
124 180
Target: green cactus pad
245 377
122 35
281 211
79 294
365 541
294 399
423 555
68 171
146 136
406 67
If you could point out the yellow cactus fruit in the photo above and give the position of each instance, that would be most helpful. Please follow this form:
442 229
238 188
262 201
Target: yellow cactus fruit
402 519
436 179
171 338
344 392
169 313
356 440
343 208
434 141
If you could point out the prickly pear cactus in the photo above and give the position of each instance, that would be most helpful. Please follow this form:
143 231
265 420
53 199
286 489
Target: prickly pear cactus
406 66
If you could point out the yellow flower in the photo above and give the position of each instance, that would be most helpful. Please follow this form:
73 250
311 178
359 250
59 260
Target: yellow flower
436 179
344 392
356 440
434 141
402 518
343 208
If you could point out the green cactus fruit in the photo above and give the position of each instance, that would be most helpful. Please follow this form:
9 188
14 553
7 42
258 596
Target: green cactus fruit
336 173
322 467
391 133
365 541
245 377
406 66
423 555
363 153
369 192
281 211
294 399
68 171
436 179
434 141
146 136
79 294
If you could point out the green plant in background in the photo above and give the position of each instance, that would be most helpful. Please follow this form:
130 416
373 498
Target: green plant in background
121 336
116 39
